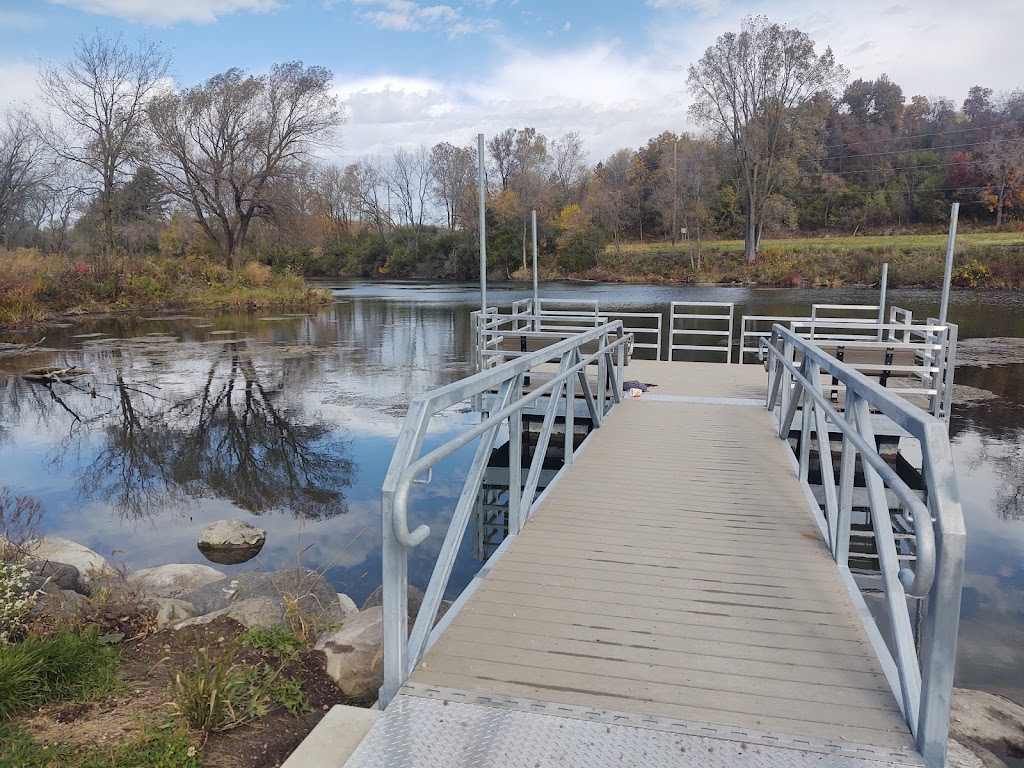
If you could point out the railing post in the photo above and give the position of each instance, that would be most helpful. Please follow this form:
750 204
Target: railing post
515 462
828 479
395 597
602 378
847 468
570 410
942 619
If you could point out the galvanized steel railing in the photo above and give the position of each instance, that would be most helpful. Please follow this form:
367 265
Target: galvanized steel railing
701 323
403 651
922 688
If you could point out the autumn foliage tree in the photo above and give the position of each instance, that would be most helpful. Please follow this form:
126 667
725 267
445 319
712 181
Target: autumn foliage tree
753 89
227 144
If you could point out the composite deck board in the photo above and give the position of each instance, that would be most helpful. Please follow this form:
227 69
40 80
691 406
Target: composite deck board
675 570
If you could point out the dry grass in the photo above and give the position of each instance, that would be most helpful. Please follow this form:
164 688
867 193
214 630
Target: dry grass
34 286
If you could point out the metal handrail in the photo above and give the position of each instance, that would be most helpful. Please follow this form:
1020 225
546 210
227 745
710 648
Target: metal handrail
725 333
923 689
402 651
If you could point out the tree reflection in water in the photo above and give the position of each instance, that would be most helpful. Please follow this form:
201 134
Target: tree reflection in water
237 437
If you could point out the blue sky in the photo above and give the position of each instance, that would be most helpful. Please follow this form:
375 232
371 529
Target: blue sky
422 71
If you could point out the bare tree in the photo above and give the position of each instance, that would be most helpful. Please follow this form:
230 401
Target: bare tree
753 88
21 173
227 143
608 195
410 178
99 101
367 188
569 167
452 171
1002 160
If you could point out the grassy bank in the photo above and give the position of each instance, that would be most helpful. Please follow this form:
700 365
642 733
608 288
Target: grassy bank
34 287
985 260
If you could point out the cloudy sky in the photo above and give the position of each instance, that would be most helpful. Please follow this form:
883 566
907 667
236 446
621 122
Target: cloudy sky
415 71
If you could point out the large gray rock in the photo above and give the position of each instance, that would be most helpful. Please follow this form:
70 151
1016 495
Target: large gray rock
174 580
355 654
987 723
90 565
172 611
348 606
377 598
301 595
63 575
229 542
255 612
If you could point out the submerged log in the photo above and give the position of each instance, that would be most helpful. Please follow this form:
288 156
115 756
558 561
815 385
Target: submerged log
50 374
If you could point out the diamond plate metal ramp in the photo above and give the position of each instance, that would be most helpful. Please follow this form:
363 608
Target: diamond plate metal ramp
438 728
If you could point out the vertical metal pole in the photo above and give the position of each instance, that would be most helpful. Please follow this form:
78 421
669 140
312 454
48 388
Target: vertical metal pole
881 295
536 296
516 518
482 188
954 214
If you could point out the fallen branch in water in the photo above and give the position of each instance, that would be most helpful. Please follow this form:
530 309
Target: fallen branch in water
49 374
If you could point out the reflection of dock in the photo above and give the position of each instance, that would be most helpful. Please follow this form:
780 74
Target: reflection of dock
672 590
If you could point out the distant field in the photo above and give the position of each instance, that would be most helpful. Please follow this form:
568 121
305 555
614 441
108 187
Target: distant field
837 243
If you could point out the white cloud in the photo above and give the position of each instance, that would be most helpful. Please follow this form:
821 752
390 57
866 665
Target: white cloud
162 12
613 98
18 84
407 16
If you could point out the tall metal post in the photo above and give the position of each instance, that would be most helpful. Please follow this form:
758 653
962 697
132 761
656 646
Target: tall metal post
482 187
536 296
881 295
954 214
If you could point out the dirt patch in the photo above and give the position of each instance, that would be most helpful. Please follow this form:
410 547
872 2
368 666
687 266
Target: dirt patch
145 699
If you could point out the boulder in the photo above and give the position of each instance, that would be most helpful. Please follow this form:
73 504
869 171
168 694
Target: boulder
90 565
171 611
987 723
61 602
174 580
300 594
959 756
348 606
415 601
255 612
355 654
229 542
63 575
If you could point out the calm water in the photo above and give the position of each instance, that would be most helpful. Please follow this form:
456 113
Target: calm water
293 423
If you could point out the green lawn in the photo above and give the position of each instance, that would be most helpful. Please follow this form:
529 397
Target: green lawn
837 243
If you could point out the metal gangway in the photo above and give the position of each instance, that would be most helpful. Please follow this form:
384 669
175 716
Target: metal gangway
675 595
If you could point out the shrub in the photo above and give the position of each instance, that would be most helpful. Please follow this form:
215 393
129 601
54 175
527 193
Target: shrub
16 601
218 695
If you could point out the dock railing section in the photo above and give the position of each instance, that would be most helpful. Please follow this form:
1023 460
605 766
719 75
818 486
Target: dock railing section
909 360
922 687
608 342
708 320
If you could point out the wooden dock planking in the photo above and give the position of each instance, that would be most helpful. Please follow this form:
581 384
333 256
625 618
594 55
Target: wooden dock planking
675 570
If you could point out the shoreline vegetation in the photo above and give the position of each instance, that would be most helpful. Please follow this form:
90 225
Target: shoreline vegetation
35 288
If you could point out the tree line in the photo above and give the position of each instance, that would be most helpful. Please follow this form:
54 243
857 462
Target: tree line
125 162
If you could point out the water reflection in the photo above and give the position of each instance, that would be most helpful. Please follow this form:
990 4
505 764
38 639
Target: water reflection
221 425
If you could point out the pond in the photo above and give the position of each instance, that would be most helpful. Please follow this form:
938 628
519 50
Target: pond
290 421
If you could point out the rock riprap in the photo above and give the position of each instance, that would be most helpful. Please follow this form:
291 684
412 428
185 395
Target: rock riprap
355 654
173 580
229 542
